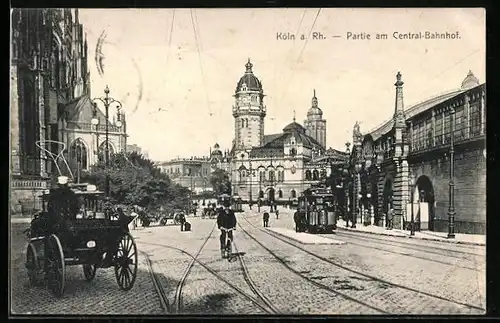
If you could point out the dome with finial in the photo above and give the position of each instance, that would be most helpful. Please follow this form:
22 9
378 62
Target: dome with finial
314 112
249 82
470 81
216 152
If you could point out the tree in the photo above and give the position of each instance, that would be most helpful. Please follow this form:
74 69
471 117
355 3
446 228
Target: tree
135 180
221 182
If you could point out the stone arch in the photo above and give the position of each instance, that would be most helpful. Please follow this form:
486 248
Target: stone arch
79 154
280 194
423 192
102 150
271 194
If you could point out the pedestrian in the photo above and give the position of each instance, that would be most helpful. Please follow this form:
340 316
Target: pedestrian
297 220
182 220
265 218
277 213
134 215
390 217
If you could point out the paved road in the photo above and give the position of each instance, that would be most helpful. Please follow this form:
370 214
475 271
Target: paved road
367 275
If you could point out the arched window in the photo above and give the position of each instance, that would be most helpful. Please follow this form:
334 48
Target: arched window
78 154
281 176
261 194
243 123
262 175
102 151
280 194
308 175
293 193
315 175
272 176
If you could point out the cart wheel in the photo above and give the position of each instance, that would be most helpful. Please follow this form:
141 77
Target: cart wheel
126 262
89 272
31 265
56 266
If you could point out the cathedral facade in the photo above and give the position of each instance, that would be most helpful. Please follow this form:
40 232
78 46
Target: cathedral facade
50 104
275 167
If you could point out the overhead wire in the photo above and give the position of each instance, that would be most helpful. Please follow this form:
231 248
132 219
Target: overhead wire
301 52
198 45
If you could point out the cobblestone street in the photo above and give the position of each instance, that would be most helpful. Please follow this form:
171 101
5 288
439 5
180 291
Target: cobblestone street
268 274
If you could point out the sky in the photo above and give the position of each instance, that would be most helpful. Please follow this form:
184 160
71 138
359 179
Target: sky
175 70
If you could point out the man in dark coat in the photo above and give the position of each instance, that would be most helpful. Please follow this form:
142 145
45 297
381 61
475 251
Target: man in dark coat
390 217
265 218
226 219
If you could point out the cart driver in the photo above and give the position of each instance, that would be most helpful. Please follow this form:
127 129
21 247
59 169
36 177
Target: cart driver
63 200
226 219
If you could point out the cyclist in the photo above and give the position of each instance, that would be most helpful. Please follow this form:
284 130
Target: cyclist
226 219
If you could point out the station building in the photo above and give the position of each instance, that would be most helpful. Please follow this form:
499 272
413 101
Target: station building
411 154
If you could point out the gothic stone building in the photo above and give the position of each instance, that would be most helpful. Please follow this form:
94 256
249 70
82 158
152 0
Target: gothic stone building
276 166
49 100
410 154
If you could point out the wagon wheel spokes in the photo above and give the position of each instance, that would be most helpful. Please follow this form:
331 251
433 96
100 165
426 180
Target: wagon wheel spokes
31 265
126 262
56 266
89 272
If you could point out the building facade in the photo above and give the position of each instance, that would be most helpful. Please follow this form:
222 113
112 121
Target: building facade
50 102
408 159
275 167
193 173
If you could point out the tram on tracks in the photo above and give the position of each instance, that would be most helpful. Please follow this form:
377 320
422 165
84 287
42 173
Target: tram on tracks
316 211
235 200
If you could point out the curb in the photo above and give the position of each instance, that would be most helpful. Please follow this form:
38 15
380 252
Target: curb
470 243
334 242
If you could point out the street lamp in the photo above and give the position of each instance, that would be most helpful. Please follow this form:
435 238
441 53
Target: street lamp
451 204
412 224
251 174
107 101
78 160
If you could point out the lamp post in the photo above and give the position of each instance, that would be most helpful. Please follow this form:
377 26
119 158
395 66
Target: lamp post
412 224
78 160
107 101
250 177
451 204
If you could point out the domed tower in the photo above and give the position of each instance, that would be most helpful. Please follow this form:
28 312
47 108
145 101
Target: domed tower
248 111
315 124
470 81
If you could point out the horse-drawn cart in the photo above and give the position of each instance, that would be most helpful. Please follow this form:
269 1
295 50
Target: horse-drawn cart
76 228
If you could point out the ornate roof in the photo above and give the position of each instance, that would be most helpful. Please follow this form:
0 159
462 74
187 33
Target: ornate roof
470 81
294 127
249 79
80 111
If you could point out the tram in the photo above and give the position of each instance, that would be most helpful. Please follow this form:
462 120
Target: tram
316 211
235 200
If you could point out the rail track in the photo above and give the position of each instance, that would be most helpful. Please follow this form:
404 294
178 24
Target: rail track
260 301
340 266
378 244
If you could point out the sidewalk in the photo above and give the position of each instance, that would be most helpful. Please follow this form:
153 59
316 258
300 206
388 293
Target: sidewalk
304 238
460 238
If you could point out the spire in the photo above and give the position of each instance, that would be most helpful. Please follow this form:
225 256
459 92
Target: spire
77 20
293 115
314 99
249 66
399 119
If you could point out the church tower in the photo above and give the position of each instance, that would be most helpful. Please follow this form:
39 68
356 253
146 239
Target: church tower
79 54
315 124
248 111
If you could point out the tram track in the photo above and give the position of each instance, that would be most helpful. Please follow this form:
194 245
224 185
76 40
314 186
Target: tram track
307 279
352 240
342 267
180 285
261 301
419 247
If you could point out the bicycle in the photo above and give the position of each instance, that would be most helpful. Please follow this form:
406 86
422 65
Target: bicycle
226 251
